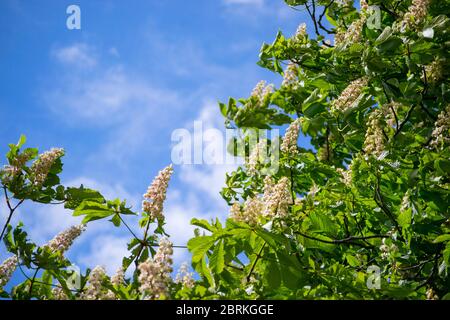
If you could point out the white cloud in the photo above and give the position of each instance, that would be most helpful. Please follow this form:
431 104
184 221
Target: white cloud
106 251
78 54
108 97
207 180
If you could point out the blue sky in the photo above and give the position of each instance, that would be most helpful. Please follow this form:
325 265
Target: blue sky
112 93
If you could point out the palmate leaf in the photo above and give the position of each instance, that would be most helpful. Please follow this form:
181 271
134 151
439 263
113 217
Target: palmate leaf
199 246
216 260
93 211
76 195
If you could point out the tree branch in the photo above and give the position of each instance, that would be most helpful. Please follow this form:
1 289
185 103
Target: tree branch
380 202
11 211
256 261
348 240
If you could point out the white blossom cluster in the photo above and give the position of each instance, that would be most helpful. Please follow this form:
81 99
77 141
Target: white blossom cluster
349 95
289 143
388 112
156 194
59 294
185 277
236 212
94 290
431 294
250 213
313 190
346 175
118 278
324 153
440 135
262 91
154 274
6 269
405 202
41 167
277 197
416 14
344 3
300 33
363 5
374 143
274 202
256 155
8 172
434 71
354 31
290 76
62 241
386 250
353 34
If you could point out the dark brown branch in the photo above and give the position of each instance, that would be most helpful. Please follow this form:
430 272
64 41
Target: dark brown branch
319 22
349 240
395 116
312 15
32 281
126 225
380 202
408 115
258 256
11 211
234 267
392 13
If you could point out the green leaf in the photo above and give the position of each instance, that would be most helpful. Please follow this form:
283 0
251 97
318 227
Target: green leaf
223 108
199 246
446 253
21 141
352 261
387 41
442 166
93 211
76 195
202 223
273 275
217 261
404 218
313 104
116 220
272 239
442 238
321 223
206 272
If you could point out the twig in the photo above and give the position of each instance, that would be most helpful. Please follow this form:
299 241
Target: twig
256 261
321 17
348 240
30 291
380 202
408 115
11 211
126 225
